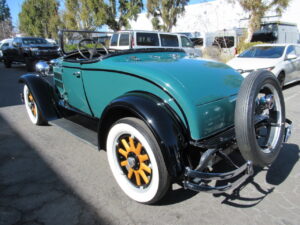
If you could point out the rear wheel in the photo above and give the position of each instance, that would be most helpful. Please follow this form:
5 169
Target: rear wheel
259 118
136 161
31 108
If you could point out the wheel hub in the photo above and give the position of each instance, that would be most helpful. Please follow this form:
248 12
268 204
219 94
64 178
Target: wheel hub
267 101
131 162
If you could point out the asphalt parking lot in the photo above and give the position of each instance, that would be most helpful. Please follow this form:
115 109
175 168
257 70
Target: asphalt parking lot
48 176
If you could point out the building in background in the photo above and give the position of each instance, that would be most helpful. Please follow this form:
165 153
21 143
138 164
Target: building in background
215 16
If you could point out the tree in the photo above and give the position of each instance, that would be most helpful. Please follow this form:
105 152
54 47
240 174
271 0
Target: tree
257 10
40 18
119 13
5 20
91 14
84 14
167 11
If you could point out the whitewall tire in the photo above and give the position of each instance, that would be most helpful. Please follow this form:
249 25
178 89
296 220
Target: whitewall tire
31 107
136 161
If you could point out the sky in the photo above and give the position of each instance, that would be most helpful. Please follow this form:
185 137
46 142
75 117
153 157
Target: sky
15 7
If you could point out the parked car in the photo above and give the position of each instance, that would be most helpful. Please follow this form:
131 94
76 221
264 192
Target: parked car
283 60
152 39
161 115
3 45
29 50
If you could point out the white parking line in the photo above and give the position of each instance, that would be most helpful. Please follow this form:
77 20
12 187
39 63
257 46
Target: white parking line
291 96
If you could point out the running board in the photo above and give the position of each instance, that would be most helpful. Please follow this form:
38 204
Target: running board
85 134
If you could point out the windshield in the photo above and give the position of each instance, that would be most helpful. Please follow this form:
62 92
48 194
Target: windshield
34 41
263 52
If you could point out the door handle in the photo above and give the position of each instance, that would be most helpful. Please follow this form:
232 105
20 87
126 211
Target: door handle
77 74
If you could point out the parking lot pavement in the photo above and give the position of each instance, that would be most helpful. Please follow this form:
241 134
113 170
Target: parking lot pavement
48 176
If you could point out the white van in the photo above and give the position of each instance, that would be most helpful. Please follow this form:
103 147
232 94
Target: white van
123 40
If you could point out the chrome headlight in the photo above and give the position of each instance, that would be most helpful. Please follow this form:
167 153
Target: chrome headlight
42 68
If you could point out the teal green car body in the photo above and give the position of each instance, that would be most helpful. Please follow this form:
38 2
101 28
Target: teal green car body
202 93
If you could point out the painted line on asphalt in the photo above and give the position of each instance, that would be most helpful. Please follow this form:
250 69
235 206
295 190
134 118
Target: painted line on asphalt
291 96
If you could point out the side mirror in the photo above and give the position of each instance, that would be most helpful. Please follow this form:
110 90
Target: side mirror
42 68
291 56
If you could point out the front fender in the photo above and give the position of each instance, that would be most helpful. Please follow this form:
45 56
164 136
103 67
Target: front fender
43 94
166 126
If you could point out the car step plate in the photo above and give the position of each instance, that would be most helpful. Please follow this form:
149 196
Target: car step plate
84 132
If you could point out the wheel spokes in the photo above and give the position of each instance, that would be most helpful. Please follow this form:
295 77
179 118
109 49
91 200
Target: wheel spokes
32 104
143 175
137 178
134 160
125 144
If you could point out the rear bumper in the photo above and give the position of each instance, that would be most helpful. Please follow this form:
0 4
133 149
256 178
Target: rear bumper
242 172
198 181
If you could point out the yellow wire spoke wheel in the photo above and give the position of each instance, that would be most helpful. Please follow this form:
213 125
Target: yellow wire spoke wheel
134 160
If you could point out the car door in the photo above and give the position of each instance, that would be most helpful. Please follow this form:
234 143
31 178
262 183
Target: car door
292 65
74 92
297 74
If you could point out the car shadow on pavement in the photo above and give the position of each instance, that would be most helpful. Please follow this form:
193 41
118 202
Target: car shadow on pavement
10 89
286 87
275 175
31 192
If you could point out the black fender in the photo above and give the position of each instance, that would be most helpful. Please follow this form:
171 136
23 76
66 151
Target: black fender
162 120
43 94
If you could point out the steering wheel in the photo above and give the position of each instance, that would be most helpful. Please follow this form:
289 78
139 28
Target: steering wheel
92 51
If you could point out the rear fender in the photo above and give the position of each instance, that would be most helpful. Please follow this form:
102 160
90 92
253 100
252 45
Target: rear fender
166 126
43 94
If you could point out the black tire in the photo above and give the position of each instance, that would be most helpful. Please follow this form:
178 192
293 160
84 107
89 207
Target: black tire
7 63
281 79
127 175
247 106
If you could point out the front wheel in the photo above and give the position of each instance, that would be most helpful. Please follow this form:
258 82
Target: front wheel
136 161
31 108
260 118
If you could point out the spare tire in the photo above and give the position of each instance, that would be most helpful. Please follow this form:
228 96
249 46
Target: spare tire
259 118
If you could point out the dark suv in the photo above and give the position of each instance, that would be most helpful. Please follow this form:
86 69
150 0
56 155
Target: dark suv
29 50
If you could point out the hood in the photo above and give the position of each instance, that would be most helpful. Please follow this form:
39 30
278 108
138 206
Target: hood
252 63
200 81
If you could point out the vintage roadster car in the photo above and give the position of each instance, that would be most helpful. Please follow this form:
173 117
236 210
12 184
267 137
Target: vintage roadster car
161 115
